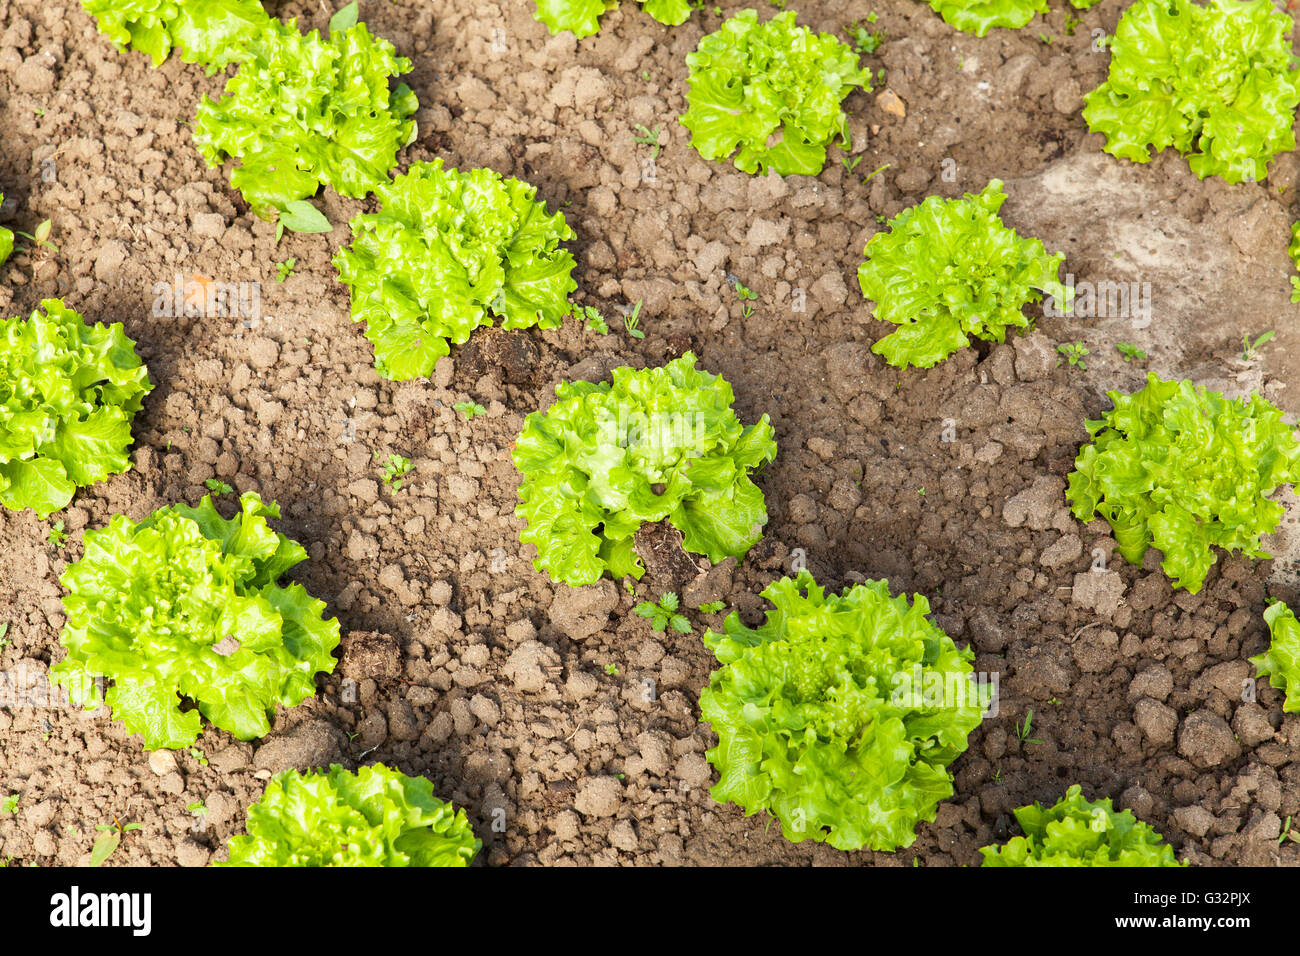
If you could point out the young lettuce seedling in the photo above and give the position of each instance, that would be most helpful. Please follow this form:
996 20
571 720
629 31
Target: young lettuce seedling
65 411
450 252
304 111
186 606
655 444
779 119
373 817
948 271
209 33
1181 468
1216 81
1281 662
582 17
805 734
1076 832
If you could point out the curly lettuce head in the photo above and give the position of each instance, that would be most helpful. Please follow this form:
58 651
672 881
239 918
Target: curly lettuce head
1215 82
68 392
185 605
949 270
1281 662
980 16
772 89
657 443
374 817
840 714
447 252
583 16
1185 469
303 111
1075 832
212 33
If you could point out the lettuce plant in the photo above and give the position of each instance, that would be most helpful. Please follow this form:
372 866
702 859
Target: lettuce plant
839 715
374 817
68 392
583 16
1293 250
657 443
6 239
447 252
303 111
980 16
1281 662
185 605
772 89
1075 832
209 32
949 270
1214 81
1186 470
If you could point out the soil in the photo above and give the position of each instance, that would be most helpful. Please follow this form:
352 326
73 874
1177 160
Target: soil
567 728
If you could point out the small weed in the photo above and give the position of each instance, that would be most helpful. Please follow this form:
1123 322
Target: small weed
285 269
632 319
396 467
595 321
649 137
1131 353
664 614
41 238
109 839
611 670
863 39
1074 353
1249 349
1024 728
57 535
217 486
468 409
713 607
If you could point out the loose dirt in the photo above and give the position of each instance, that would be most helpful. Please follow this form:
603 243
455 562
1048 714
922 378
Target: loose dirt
565 726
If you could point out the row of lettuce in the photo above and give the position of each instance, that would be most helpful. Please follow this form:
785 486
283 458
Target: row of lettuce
187 605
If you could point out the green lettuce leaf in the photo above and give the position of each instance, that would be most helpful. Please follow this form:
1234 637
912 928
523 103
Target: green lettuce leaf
949 270
6 239
980 16
447 252
1184 469
1293 250
773 90
1281 662
303 111
185 605
209 32
657 443
582 17
1075 832
1215 82
374 817
68 392
840 715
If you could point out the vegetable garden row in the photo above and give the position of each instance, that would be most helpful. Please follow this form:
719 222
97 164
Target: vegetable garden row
841 714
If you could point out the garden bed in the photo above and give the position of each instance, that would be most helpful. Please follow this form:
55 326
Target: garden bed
525 701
